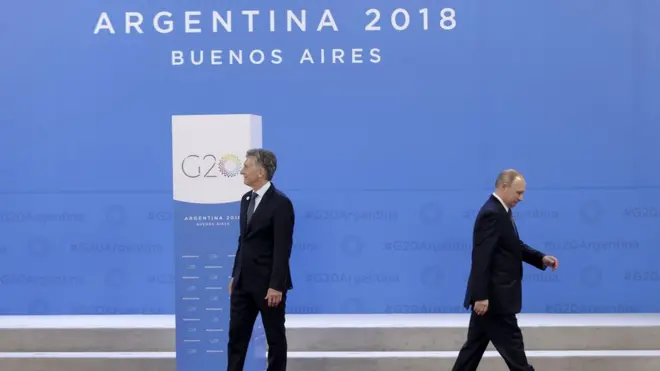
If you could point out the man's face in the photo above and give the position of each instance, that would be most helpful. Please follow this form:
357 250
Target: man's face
513 193
251 172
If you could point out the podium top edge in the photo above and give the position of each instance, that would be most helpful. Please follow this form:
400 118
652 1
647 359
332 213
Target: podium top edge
219 115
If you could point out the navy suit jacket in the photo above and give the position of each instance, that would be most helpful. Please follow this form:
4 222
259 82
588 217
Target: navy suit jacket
497 256
265 243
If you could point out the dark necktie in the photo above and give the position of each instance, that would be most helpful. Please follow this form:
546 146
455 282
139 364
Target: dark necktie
251 205
513 222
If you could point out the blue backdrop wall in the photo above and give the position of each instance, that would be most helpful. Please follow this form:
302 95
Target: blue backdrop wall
388 144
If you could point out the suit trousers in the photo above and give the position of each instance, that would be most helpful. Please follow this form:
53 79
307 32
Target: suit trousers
245 306
503 331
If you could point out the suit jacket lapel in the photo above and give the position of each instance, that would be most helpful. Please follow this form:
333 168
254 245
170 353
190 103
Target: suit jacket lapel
245 201
260 208
513 223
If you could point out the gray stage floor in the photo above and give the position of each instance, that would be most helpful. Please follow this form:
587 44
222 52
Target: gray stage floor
391 342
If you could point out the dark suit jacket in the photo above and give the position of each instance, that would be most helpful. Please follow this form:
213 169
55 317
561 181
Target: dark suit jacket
264 244
497 256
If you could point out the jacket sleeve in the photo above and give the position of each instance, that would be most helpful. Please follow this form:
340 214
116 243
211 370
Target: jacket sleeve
486 235
236 257
283 222
532 257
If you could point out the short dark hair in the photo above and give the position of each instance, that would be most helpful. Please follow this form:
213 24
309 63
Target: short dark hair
264 159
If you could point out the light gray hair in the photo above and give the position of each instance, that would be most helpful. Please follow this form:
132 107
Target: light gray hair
264 159
507 177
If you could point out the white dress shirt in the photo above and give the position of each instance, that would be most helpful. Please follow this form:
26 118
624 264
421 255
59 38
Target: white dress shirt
260 194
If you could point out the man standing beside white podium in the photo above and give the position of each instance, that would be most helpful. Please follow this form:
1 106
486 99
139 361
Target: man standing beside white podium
261 275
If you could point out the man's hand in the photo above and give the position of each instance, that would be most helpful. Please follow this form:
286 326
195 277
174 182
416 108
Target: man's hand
480 307
231 284
551 261
273 297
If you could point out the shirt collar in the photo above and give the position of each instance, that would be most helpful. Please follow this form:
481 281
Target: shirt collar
502 202
261 191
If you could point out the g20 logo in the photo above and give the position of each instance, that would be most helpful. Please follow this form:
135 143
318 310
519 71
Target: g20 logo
194 166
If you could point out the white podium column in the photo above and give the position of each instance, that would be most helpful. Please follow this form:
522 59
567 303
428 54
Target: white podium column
208 152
